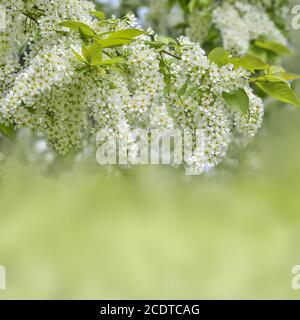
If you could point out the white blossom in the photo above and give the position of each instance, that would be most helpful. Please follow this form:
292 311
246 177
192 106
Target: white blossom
46 92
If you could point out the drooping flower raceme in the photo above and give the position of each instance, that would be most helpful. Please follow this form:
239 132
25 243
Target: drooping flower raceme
231 23
241 22
46 86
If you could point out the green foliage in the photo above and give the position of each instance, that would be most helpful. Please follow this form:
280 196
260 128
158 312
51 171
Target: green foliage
128 34
250 63
84 30
222 57
98 14
184 88
107 62
237 101
112 43
94 44
219 56
273 83
8 130
278 89
274 47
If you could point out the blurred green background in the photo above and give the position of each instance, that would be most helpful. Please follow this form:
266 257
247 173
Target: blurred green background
153 233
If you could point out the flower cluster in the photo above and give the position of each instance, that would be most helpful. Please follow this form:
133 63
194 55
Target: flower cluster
47 89
199 25
241 22
249 125
202 106
234 23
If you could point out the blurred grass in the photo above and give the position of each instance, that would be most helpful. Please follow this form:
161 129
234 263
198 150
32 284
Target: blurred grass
154 233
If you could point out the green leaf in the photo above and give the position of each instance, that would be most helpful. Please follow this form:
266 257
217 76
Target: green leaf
9 131
288 76
86 54
184 88
277 77
280 72
80 27
274 47
219 56
269 78
250 63
95 51
259 53
276 69
83 35
237 100
163 67
168 82
279 89
113 39
98 61
78 56
166 40
84 69
128 34
98 14
155 44
112 43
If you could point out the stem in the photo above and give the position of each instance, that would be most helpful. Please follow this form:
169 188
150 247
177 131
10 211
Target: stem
30 17
110 56
170 54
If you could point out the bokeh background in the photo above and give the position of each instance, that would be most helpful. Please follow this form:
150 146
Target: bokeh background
86 232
